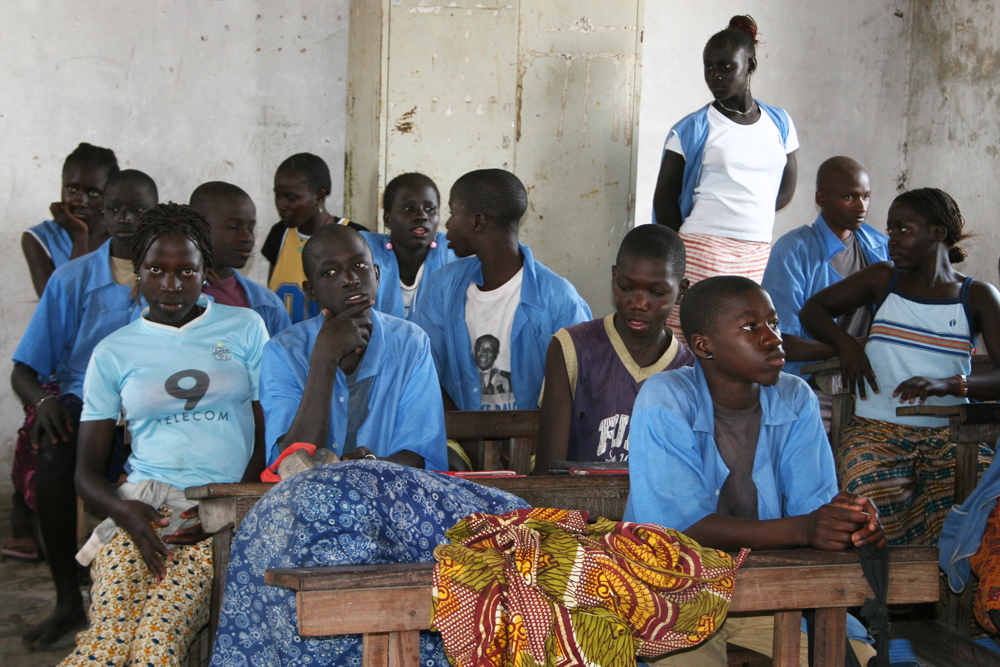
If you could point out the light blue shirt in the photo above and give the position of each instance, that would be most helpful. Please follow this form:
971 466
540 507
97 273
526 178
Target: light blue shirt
548 303
965 526
265 303
405 410
55 240
676 471
81 305
186 392
800 266
390 294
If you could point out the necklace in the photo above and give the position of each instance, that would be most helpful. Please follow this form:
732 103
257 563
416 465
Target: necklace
746 113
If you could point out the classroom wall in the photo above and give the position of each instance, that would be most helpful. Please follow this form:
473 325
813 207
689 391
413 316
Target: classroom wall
186 91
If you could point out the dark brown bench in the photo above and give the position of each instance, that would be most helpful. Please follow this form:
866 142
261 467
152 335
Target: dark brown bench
390 604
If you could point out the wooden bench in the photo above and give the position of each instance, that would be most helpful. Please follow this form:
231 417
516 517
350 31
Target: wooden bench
486 434
390 604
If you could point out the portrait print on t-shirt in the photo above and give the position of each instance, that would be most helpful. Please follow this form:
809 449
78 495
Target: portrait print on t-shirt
494 382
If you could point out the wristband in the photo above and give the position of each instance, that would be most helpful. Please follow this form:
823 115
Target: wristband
963 388
371 457
39 403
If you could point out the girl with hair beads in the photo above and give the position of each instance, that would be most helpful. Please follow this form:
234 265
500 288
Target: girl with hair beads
927 319
727 167
77 225
186 375
413 249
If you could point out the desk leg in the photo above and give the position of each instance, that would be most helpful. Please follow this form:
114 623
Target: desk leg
221 542
375 649
831 637
787 635
404 649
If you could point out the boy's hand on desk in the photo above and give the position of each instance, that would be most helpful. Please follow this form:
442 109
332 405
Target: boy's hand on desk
855 369
137 518
922 388
344 334
834 526
62 216
191 534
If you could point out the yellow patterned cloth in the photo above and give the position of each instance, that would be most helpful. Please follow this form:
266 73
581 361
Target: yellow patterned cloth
135 622
541 587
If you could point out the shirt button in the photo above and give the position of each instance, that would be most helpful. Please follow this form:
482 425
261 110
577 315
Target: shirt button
716 492
341 399
475 391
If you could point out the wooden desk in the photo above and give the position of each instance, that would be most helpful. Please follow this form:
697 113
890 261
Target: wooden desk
485 434
390 604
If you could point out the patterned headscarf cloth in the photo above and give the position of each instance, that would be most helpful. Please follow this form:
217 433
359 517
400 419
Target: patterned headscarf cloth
541 587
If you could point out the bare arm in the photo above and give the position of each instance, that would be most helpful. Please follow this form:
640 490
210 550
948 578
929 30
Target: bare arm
557 408
257 460
789 177
668 191
39 263
805 349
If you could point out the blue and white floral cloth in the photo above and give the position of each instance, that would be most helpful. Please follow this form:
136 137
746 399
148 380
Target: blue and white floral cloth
347 513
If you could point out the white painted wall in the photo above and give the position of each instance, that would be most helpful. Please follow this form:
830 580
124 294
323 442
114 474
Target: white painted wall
839 69
185 91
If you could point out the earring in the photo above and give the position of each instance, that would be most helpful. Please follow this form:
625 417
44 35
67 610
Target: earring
434 244
388 246
137 278
709 356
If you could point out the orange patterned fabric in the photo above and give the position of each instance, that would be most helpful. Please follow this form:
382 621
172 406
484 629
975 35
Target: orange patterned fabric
985 564
541 587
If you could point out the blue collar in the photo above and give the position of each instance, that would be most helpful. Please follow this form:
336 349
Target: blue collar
253 295
774 410
529 279
100 274
831 243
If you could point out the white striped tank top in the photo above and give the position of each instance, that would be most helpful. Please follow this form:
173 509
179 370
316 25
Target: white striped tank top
913 336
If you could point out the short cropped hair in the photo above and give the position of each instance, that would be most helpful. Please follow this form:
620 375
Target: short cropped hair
655 242
171 218
497 193
206 192
315 170
397 184
311 250
706 300
95 155
133 177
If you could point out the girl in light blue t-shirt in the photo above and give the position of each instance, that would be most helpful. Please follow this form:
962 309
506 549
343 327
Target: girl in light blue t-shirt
185 376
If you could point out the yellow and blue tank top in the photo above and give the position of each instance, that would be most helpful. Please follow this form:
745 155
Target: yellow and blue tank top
288 275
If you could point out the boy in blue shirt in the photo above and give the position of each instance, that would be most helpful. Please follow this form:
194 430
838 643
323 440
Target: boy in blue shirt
813 257
732 452
356 381
233 217
85 300
496 292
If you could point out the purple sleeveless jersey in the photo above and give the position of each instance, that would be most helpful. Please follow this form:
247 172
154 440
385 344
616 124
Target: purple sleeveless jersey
606 389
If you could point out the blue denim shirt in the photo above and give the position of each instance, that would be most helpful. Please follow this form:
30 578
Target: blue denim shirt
548 303
799 267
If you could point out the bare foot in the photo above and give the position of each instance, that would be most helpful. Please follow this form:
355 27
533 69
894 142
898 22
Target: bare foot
55 625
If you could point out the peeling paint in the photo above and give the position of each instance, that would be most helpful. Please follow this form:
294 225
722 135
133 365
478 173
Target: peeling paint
584 25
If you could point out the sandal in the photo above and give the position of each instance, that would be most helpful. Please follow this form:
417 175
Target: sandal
20 548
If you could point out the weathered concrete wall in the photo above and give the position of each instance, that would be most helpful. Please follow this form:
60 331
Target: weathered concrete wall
186 91
839 68
953 136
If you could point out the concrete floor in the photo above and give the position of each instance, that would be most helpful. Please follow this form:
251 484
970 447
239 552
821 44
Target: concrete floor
26 596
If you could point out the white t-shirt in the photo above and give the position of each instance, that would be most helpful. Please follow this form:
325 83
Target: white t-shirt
741 171
410 291
490 318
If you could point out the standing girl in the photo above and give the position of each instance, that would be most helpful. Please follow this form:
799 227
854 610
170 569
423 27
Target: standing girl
927 319
727 167
186 376
413 249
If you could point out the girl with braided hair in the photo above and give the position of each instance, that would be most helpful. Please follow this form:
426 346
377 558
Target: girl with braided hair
927 320
727 167
185 374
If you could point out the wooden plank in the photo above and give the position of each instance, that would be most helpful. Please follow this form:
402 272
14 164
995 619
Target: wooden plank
491 424
824 366
980 413
489 454
221 543
521 451
363 610
404 649
988 433
256 489
831 637
218 514
375 650
929 410
966 472
787 638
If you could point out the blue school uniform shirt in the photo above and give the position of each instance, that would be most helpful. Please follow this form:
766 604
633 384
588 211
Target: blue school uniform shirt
81 305
186 393
692 130
55 240
965 526
390 294
548 304
799 267
265 303
405 410
676 472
